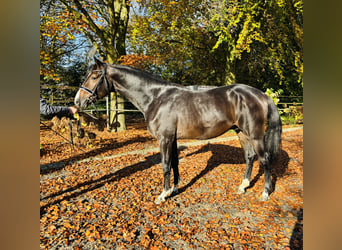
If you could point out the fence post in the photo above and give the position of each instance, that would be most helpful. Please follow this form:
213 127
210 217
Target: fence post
107 112
51 98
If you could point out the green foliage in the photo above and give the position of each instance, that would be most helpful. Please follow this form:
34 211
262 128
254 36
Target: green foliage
200 42
73 75
223 41
268 40
171 31
58 39
63 90
274 94
292 115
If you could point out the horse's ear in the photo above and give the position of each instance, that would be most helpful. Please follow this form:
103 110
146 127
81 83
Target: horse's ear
98 62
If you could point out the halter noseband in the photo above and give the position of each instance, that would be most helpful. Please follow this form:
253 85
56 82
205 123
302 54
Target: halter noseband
93 93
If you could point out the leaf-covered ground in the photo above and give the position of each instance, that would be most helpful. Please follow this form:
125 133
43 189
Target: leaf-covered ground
108 202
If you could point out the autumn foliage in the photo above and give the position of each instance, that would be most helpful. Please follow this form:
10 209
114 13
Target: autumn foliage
138 61
102 196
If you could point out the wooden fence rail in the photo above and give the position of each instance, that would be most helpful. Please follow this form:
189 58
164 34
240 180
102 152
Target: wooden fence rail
102 105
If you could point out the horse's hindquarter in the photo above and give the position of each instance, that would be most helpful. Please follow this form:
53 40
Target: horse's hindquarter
250 105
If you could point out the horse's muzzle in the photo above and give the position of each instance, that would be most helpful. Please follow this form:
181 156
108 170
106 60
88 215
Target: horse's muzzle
80 102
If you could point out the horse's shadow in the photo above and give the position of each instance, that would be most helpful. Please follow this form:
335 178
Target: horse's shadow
232 155
106 145
296 241
225 154
87 186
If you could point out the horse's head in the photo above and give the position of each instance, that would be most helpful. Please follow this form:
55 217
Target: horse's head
94 87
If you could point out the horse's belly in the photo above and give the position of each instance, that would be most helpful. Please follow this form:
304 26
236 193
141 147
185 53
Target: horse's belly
201 131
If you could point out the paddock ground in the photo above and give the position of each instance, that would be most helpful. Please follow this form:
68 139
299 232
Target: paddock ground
100 194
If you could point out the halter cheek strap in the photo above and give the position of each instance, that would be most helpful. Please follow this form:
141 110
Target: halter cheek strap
94 91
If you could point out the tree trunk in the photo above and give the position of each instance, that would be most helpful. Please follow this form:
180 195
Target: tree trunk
121 9
229 75
117 102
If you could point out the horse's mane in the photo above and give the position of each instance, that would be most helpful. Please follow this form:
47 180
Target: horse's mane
147 76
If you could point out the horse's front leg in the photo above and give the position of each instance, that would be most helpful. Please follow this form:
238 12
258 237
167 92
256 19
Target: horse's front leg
166 152
174 165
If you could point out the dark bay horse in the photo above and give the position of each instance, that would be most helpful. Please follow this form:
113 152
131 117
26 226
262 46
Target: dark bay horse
173 111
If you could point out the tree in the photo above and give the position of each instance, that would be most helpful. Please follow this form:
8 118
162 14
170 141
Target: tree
104 23
171 32
223 41
73 75
60 43
264 40
57 40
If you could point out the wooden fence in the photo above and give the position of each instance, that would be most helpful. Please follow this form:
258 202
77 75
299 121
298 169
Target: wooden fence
102 106
286 102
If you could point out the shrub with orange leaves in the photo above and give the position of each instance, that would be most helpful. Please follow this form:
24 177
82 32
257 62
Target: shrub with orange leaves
138 61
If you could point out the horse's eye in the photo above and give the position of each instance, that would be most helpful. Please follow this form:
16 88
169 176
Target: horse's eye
94 78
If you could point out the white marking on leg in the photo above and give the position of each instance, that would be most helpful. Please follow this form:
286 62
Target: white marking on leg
163 195
264 196
245 183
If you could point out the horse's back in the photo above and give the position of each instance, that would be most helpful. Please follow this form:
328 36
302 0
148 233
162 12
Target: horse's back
203 114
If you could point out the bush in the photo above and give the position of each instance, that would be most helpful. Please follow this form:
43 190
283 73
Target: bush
292 115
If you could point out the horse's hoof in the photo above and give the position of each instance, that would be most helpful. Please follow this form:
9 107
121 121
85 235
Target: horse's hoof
162 196
243 186
264 197
240 191
174 191
159 200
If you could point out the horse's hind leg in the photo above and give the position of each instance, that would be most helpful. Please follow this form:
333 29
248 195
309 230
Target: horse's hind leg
264 161
250 157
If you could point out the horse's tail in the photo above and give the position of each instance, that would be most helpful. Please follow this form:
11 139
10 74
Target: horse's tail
273 132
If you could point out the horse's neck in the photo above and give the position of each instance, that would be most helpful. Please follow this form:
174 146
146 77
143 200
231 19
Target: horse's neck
136 90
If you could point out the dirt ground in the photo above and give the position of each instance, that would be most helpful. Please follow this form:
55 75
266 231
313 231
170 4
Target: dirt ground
100 194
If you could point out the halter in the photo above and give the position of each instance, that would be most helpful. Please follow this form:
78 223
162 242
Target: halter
93 93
